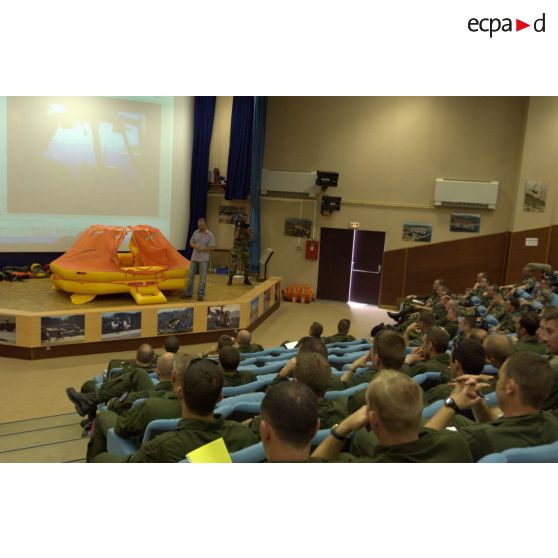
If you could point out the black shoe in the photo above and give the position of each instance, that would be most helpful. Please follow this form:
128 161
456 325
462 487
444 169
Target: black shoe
394 315
200 297
247 281
84 402
183 295
229 282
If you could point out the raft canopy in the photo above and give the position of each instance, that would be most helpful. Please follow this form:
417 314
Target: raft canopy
96 249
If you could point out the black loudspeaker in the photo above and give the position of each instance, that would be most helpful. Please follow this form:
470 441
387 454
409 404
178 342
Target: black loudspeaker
327 179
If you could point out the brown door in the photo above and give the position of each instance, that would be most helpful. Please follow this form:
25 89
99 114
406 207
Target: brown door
334 271
368 251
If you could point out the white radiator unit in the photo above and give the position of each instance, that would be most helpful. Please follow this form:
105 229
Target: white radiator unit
465 193
289 184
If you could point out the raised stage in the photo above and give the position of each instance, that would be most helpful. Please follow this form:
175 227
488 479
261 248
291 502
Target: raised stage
38 322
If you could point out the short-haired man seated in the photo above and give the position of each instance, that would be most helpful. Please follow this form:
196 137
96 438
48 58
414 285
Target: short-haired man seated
523 385
229 359
244 342
393 412
527 326
289 421
342 334
201 389
431 356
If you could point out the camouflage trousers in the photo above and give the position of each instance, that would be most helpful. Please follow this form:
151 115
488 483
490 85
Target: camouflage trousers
240 260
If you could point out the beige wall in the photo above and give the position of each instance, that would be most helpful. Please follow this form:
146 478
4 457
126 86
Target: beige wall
391 150
387 151
539 162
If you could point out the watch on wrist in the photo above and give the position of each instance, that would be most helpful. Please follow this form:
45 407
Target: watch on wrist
450 402
336 434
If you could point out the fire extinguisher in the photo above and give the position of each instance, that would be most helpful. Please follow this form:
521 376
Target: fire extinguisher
312 249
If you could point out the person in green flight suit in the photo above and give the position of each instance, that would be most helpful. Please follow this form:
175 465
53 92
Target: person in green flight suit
240 253
527 326
199 392
289 421
542 296
133 422
229 359
133 384
393 413
342 334
507 323
431 356
244 342
467 357
548 334
523 385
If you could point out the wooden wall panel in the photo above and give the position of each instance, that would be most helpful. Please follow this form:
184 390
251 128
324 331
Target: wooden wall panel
553 247
519 254
412 271
393 274
457 262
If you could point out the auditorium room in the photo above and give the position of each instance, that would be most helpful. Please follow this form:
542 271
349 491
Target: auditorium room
278 279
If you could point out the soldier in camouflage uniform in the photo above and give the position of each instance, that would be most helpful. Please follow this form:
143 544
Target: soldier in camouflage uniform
508 322
542 296
240 253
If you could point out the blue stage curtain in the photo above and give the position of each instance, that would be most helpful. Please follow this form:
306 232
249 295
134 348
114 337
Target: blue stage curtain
204 111
258 138
240 149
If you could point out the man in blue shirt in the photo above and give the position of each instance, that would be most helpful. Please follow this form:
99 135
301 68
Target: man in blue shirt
203 242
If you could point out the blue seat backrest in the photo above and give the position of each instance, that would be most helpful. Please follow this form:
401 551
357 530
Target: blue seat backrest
421 378
334 394
158 426
244 398
546 453
262 381
269 368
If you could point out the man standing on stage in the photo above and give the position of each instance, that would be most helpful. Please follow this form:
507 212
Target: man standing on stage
240 252
203 242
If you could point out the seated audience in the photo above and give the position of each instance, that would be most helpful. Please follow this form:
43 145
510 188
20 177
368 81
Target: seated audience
123 390
201 389
523 385
508 321
393 413
132 423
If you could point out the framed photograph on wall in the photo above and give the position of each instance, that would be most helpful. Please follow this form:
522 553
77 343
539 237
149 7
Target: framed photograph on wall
417 232
298 227
465 222
535 196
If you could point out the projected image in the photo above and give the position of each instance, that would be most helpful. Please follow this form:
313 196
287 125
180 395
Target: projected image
178 320
7 329
92 155
62 329
120 325
223 317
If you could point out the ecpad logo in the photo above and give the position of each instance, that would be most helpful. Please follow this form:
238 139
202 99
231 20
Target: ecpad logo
493 25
